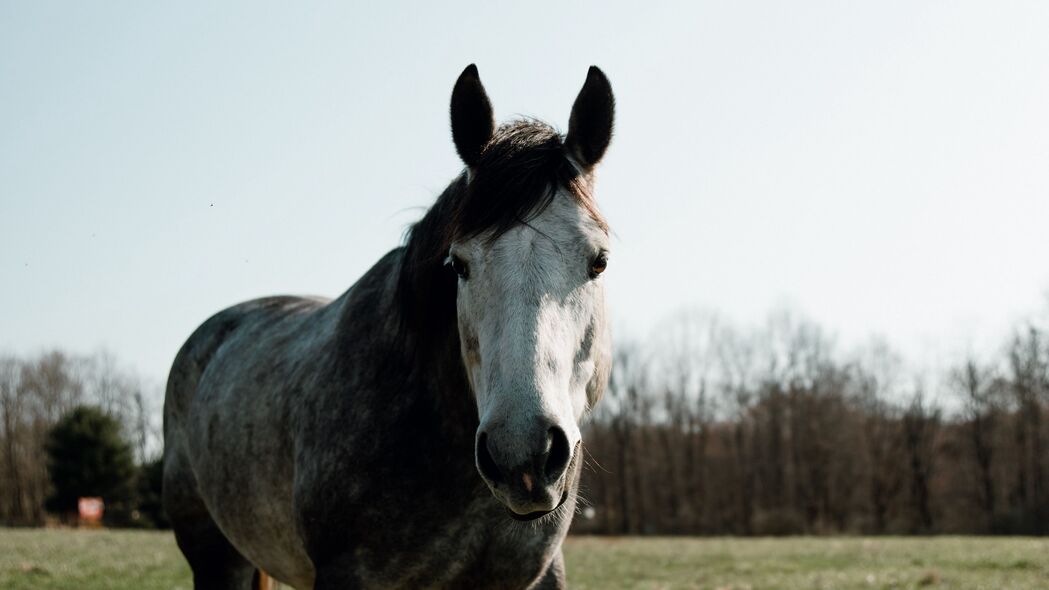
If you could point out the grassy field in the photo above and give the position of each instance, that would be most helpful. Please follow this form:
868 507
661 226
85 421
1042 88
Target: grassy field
43 559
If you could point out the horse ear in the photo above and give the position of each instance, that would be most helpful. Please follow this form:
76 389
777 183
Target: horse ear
590 126
472 121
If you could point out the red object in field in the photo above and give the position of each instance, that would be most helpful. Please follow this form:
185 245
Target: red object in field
91 510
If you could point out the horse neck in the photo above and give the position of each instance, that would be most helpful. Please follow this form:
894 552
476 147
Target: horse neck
399 325
446 382
420 363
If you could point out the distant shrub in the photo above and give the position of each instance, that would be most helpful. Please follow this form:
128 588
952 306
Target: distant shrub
149 487
779 523
88 456
1017 521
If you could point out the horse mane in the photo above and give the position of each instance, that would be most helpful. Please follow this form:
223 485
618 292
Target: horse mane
516 178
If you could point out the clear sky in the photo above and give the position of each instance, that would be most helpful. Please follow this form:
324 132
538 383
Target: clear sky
883 166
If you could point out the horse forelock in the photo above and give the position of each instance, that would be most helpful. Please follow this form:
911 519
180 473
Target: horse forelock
517 176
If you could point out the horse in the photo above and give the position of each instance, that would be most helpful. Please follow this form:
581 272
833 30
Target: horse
422 429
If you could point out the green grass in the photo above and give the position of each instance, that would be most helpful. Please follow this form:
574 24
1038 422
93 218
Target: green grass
32 559
118 560
810 563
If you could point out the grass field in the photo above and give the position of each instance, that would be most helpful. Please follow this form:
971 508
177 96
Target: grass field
84 560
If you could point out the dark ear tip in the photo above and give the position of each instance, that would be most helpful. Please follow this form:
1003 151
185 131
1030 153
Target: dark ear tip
472 123
595 73
592 119
470 72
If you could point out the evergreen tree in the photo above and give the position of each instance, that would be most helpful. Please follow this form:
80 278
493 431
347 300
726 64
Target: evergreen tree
88 456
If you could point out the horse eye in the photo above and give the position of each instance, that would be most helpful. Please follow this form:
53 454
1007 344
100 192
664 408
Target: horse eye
599 265
460 267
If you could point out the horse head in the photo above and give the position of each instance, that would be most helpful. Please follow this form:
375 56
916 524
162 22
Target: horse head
530 249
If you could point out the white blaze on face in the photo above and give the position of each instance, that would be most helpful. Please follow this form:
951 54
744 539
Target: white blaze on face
532 320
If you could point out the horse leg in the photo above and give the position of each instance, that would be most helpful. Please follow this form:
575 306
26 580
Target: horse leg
262 581
216 564
554 577
336 572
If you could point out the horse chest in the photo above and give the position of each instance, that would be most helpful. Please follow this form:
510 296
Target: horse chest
481 548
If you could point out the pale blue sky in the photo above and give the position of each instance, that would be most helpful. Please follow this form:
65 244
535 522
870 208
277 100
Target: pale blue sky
882 166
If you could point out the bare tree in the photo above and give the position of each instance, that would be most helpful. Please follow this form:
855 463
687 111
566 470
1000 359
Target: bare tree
920 425
34 394
981 412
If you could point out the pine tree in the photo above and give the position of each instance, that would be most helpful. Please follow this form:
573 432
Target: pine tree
88 456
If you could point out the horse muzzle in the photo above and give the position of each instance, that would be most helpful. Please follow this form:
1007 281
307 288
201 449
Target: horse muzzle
527 473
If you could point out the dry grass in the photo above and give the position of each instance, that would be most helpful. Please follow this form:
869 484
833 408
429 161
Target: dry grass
810 563
117 560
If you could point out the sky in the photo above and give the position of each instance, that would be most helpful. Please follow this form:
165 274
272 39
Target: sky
882 167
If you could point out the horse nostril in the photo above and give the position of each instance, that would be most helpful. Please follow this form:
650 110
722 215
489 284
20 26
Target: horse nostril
557 458
485 462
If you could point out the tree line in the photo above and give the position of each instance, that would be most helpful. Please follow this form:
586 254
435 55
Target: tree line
75 426
716 430
706 429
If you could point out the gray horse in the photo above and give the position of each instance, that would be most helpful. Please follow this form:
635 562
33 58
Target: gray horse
421 430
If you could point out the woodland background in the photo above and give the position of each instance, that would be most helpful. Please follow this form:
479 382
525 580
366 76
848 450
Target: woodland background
706 429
